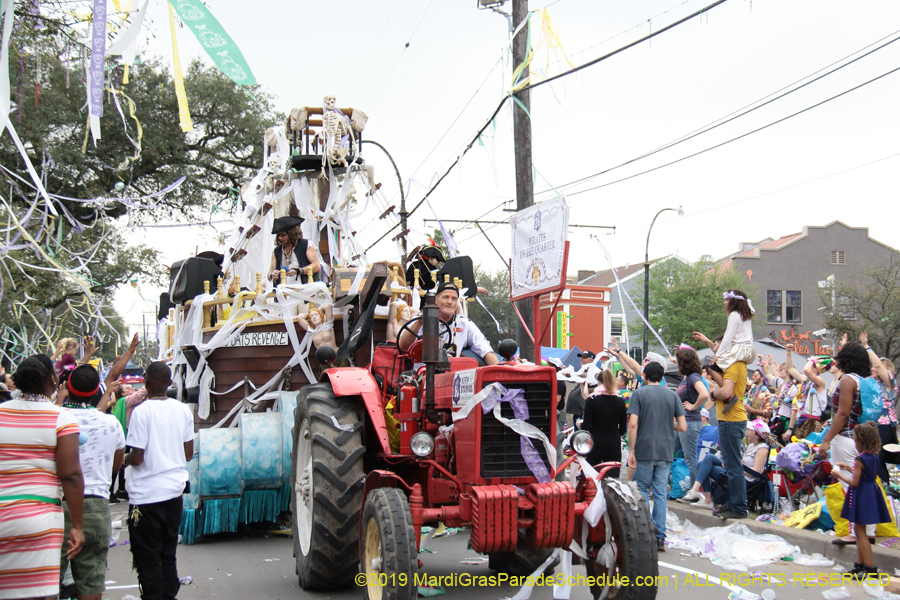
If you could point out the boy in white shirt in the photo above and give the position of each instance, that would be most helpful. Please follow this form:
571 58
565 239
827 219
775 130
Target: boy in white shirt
161 437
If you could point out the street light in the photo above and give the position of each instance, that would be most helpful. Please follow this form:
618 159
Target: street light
680 212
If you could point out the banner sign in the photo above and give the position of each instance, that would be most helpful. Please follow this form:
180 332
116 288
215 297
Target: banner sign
265 338
217 43
538 248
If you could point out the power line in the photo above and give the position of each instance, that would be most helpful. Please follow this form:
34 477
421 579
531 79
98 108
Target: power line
738 113
372 106
776 122
363 63
505 98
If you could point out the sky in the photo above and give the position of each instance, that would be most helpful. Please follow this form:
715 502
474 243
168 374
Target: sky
430 73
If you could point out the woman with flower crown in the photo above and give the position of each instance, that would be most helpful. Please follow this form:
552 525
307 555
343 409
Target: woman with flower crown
729 370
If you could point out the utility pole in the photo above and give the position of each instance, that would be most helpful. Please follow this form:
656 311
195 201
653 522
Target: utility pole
524 177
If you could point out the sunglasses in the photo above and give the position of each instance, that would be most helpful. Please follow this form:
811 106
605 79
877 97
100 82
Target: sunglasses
282 234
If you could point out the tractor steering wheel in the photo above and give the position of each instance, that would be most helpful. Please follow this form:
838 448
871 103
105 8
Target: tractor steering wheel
442 328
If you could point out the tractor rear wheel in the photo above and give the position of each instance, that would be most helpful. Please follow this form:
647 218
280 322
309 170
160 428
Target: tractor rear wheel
388 556
636 553
326 487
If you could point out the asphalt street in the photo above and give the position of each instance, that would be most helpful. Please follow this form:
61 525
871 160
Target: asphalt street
250 565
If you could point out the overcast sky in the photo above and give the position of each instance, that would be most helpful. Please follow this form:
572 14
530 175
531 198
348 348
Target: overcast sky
425 102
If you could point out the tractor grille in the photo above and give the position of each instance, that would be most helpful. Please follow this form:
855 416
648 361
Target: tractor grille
501 454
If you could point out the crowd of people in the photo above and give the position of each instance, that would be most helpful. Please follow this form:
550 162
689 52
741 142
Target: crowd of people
64 441
846 424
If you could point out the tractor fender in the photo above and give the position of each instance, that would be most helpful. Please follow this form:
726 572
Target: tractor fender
378 479
354 381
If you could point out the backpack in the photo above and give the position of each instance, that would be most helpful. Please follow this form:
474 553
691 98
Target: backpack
869 393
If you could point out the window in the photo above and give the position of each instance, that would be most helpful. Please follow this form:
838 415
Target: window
792 307
846 309
616 326
837 257
773 300
784 306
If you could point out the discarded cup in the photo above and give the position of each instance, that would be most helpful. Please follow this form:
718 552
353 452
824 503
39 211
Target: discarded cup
836 594
768 594
117 524
186 580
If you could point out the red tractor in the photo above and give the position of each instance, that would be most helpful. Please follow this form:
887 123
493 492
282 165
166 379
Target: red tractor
360 503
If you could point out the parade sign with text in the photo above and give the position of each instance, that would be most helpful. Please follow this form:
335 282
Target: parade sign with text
538 248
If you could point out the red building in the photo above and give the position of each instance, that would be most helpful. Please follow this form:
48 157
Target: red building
587 305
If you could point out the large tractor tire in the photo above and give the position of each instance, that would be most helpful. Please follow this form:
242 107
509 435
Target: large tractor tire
327 483
388 556
636 553
521 563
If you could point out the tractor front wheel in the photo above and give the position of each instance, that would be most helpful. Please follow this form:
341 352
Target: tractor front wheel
635 544
326 487
387 554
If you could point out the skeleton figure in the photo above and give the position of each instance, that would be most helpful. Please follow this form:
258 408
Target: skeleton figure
335 134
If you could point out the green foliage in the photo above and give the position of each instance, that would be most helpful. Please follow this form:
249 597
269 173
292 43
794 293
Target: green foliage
687 297
40 305
869 303
497 283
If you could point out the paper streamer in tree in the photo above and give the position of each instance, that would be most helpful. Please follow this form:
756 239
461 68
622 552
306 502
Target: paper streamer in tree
623 291
184 114
217 43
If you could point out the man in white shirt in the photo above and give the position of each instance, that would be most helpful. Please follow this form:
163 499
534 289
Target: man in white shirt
463 333
161 437
101 456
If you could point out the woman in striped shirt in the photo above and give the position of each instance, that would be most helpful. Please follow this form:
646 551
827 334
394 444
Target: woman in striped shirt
39 463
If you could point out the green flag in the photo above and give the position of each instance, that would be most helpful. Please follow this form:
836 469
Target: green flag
217 43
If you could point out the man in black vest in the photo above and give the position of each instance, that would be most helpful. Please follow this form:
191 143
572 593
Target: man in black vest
292 253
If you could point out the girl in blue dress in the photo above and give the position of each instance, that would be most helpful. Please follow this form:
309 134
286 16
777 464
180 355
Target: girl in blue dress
864 503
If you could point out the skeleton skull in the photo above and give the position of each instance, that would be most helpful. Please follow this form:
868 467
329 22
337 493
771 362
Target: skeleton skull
330 102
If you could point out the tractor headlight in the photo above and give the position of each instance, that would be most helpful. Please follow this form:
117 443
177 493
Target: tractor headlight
421 444
582 442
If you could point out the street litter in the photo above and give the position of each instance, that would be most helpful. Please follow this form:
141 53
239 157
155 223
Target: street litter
836 594
271 559
475 560
734 547
187 580
815 560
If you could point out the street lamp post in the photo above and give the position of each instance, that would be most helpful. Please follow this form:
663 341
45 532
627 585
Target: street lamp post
680 212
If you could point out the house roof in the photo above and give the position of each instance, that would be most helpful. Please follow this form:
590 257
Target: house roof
754 251
606 278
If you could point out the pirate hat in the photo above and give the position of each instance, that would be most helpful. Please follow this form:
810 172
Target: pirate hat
285 223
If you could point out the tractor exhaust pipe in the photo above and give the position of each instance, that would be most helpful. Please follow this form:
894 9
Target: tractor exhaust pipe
431 353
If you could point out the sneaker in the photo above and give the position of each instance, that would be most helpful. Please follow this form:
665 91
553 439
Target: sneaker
660 544
704 504
122 495
113 499
690 497
730 513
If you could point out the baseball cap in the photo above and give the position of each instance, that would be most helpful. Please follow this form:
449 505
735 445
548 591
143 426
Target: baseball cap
587 354
704 413
447 286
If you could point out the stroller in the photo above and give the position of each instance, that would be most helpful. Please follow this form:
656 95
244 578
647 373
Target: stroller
799 474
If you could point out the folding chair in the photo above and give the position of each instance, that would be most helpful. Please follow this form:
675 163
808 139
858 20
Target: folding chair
760 492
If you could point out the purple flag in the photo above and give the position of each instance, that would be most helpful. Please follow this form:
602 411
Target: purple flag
98 57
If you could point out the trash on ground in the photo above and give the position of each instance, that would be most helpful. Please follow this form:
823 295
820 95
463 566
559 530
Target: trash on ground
474 560
814 560
429 592
186 580
836 593
733 547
